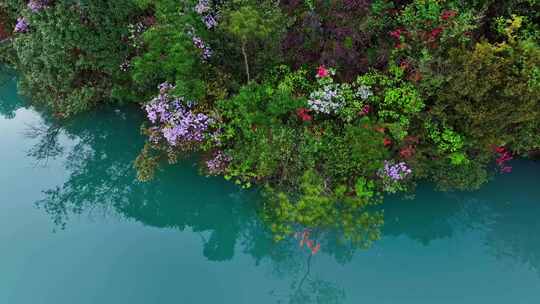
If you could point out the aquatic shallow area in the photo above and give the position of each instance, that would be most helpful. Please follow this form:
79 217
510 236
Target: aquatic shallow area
77 227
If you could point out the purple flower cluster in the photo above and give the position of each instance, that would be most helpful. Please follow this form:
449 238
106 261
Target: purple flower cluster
206 50
202 7
37 5
22 25
178 124
208 17
218 164
395 172
210 21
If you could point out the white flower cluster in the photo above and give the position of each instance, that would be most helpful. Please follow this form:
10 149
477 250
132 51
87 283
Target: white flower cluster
327 100
364 92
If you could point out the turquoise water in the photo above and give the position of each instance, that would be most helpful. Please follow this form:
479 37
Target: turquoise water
76 227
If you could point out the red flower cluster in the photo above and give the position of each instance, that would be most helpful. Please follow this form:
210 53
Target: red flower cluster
387 142
504 156
397 33
303 114
447 14
322 72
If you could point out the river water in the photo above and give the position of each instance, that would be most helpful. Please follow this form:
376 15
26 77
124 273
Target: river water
76 227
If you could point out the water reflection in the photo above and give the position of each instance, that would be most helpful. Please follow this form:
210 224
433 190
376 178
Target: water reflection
97 151
9 100
506 211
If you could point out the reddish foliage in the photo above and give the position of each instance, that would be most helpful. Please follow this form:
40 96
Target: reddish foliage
380 129
397 33
329 35
387 142
407 152
435 32
447 14
3 33
302 113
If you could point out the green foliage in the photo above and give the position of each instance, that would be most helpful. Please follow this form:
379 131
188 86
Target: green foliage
253 24
170 54
358 152
448 142
398 102
465 177
71 55
493 97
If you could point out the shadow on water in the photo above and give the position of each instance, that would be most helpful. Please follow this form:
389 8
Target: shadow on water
98 149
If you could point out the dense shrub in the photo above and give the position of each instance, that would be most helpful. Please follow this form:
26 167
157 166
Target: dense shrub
69 53
326 104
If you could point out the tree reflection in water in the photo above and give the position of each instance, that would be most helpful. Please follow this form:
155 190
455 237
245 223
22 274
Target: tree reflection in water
9 100
101 176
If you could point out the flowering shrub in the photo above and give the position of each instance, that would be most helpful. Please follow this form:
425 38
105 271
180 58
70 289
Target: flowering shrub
208 16
392 174
327 100
218 164
22 25
206 51
179 125
37 5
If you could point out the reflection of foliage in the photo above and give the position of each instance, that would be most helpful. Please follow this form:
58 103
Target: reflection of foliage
102 178
304 288
309 290
430 216
317 208
48 146
511 217
9 101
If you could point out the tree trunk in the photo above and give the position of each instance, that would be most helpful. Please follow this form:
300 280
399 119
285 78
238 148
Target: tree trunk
246 64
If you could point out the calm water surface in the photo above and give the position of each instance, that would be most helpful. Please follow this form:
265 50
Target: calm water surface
76 227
